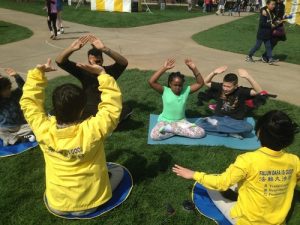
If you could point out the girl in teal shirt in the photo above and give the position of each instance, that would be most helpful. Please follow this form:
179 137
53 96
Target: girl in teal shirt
172 120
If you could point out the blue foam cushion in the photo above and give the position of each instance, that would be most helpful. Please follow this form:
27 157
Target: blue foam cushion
205 205
250 142
120 194
15 149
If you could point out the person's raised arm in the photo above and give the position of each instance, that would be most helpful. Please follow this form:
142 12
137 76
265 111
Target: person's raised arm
118 58
256 87
32 100
19 80
153 81
209 77
221 182
110 107
199 79
75 46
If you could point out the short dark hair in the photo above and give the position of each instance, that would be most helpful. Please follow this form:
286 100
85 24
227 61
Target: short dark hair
5 83
95 52
68 101
275 130
232 78
174 75
269 1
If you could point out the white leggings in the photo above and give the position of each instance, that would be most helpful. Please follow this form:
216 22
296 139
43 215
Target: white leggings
181 128
222 203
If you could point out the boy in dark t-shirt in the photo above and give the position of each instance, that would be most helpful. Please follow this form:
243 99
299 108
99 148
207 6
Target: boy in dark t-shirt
230 112
89 81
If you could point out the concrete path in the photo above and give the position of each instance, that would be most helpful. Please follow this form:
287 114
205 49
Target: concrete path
146 48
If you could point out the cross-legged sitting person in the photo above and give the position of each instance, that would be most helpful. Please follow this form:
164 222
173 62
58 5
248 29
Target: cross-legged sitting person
265 178
77 177
13 126
229 118
172 120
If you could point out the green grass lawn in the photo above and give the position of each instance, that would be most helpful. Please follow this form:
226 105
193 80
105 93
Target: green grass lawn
11 33
22 180
84 15
240 36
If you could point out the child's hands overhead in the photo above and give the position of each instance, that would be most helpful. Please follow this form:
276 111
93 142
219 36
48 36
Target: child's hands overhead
243 73
10 72
94 69
96 42
183 172
79 43
169 64
47 67
220 70
189 62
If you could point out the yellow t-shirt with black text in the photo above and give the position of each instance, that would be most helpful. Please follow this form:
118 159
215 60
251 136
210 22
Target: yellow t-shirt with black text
76 173
266 181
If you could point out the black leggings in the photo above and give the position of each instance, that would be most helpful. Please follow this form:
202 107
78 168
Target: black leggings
52 22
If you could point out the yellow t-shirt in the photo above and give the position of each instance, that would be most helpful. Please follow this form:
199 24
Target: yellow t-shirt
266 181
76 173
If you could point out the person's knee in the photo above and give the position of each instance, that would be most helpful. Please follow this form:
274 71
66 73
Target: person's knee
154 135
248 127
116 176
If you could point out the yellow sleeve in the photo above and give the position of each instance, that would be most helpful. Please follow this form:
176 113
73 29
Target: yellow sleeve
109 109
298 172
221 182
32 102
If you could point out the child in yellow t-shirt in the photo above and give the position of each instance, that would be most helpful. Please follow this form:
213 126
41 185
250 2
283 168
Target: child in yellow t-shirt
266 178
77 178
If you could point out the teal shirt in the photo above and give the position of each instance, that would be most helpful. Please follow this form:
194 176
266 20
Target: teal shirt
174 105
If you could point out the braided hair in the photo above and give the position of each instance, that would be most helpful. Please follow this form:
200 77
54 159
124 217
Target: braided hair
174 75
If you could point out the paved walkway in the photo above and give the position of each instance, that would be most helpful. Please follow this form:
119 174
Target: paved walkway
146 48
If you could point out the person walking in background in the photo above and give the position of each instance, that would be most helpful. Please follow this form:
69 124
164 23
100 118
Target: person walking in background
278 33
59 24
208 5
264 33
51 7
190 5
221 8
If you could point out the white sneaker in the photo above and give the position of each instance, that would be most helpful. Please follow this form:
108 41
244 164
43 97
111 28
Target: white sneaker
30 138
213 122
58 32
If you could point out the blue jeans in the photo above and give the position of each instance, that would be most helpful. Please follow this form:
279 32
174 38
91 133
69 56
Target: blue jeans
226 125
257 45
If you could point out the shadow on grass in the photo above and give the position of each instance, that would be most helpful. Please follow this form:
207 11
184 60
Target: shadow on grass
129 125
296 200
138 165
140 106
281 57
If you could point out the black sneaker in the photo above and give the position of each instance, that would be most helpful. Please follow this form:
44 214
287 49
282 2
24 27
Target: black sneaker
264 59
249 59
126 112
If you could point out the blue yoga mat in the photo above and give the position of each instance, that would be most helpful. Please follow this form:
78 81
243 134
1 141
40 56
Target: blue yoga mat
120 194
10 150
250 142
205 205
